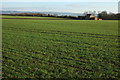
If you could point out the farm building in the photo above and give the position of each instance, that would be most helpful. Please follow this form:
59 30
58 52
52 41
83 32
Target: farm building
92 17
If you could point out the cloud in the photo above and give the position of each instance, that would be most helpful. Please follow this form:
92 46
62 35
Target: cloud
76 7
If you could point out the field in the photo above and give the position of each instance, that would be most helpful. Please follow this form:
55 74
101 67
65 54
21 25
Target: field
28 17
60 49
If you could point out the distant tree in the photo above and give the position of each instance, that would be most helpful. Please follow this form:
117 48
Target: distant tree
94 12
85 13
111 16
102 14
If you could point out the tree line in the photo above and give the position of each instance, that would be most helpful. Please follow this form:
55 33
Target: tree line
111 16
103 15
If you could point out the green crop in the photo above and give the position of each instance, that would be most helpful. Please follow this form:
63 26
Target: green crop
60 49
28 17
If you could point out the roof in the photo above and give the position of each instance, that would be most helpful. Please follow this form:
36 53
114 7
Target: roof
91 16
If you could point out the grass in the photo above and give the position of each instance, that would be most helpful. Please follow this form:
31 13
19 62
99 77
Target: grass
60 49
28 17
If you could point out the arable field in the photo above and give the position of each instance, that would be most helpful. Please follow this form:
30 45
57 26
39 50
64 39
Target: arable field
60 49
28 17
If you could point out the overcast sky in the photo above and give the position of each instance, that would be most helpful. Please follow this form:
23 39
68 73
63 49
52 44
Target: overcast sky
60 0
75 6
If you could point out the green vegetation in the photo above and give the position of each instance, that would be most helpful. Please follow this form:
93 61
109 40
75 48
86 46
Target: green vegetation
60 49
4 16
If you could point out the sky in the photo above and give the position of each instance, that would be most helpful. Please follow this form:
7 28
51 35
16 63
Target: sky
74 6
60 0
